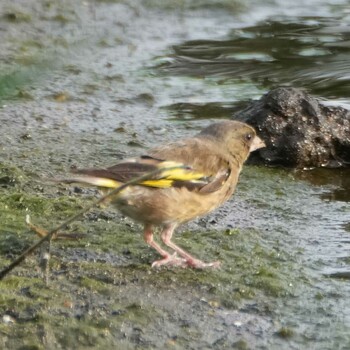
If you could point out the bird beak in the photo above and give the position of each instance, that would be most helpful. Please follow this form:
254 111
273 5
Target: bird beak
256 144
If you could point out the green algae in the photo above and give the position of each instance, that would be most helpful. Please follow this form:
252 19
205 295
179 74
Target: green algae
16 15
11 84
94 285
229 286
285 332
241 345
10 175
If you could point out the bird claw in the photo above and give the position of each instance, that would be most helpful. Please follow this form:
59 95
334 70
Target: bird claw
198 264
170 260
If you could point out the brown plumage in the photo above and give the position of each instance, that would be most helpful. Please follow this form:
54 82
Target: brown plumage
214 158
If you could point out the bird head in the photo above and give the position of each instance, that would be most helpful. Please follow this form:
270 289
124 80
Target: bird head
239 139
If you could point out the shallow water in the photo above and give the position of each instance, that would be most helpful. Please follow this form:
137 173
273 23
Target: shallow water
89 82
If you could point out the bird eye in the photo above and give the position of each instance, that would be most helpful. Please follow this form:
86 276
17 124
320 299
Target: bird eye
248 137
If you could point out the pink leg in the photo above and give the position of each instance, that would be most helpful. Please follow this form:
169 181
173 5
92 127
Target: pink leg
168 259
166 236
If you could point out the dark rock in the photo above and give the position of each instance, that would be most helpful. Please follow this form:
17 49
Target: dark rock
298 130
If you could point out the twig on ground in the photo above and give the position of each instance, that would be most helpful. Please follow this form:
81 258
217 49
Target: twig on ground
63 225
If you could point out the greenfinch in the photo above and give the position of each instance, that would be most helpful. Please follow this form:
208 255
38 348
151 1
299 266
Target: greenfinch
209 166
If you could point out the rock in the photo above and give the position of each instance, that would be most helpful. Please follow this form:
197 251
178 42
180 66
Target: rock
298 130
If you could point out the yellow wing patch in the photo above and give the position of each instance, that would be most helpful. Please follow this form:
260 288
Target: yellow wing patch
178 174
166 177
162 183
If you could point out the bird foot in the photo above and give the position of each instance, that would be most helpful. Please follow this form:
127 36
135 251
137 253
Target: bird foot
198 264
170 260
174 260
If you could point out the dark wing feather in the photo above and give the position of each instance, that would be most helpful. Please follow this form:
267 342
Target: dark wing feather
216 183
205 185
121 172
130 170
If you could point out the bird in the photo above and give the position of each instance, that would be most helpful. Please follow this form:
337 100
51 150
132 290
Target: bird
196 175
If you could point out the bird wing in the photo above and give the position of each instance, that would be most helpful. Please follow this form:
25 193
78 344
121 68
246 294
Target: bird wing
171 174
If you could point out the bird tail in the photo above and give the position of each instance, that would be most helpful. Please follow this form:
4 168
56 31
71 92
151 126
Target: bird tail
91 180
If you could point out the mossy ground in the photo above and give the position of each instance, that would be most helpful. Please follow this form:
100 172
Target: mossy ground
101 289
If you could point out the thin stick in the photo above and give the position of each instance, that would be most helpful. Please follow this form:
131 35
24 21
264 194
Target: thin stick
50 233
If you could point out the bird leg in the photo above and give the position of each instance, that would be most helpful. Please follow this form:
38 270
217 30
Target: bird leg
166 236
168 259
